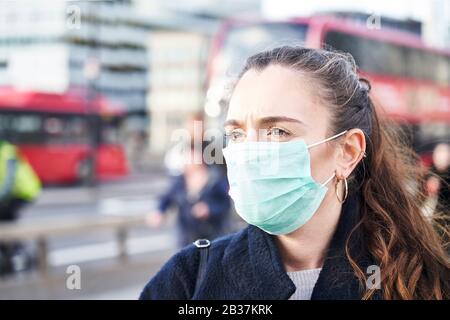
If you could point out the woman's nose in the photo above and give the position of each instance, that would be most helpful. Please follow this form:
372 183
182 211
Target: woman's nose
252 135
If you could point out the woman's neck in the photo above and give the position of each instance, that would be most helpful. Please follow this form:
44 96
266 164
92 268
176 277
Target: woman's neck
305 248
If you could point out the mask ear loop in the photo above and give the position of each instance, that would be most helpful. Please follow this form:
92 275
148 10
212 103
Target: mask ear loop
323 141
327 139
329 179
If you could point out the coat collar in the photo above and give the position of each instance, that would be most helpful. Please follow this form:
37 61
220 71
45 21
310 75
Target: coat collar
257 272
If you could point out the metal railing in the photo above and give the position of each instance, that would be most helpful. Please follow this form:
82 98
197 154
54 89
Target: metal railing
41 231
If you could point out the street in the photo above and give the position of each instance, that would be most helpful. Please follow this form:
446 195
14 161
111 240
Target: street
96 252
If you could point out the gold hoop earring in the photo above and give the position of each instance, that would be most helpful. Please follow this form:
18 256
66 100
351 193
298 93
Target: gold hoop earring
345 191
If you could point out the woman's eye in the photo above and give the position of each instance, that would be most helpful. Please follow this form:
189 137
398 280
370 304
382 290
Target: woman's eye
277 133
234 135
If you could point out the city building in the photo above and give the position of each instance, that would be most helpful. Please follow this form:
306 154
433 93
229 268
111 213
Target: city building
53 46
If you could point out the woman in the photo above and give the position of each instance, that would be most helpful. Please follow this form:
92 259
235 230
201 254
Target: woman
325 189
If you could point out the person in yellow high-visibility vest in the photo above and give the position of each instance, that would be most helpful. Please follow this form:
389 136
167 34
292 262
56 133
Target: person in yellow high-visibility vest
19 185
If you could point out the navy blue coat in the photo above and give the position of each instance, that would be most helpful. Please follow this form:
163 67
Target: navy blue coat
214 194
247 265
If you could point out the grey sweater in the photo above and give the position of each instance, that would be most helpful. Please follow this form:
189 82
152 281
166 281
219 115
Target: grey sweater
304 281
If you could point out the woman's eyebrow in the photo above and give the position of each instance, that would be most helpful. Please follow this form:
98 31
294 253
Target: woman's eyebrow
271 120
232 122
263 121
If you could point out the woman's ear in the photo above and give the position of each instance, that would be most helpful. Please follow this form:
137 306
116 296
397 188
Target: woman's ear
353 147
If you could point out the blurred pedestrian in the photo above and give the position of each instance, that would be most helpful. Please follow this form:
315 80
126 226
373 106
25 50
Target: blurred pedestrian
325 188
19 185
200 194
438 186
439 182
174 157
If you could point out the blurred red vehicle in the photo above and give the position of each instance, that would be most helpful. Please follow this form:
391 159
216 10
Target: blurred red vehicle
65 139
410 80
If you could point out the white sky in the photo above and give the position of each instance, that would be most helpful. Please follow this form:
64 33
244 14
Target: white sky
418 9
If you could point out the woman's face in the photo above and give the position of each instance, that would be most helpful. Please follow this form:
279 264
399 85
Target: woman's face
278 104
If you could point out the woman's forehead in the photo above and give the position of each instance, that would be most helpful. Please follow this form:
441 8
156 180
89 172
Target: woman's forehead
274 91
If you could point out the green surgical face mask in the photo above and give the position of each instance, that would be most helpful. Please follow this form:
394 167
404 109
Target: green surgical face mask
271 184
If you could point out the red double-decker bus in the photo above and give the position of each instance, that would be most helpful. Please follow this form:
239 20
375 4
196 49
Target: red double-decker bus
65 138
410 80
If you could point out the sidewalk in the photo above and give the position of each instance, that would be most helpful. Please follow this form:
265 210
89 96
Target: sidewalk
103 280
134 184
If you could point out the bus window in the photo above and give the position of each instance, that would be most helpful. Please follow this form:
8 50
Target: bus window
243 41
416 64
395 56
370 55
66 130
382 57
77 130
431 134
442 69
24 129
110 131
54 130
4 126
